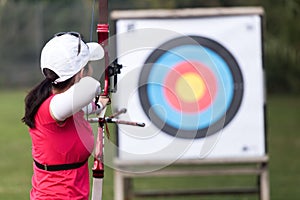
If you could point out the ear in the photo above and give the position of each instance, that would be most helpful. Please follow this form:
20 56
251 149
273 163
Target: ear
78 76
87 70
82 73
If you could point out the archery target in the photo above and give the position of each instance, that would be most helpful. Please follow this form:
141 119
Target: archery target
197 83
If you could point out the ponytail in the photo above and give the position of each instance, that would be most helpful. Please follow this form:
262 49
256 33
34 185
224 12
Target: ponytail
34 99
40 93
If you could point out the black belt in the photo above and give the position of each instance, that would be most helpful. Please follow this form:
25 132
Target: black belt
59 167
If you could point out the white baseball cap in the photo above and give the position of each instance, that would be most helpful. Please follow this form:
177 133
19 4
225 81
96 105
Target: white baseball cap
66 54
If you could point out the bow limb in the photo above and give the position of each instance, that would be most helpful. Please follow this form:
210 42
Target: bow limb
103 34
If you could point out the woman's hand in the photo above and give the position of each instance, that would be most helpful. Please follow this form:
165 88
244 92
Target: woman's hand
104 101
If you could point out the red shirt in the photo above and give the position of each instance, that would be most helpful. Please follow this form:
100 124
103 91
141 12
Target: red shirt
54 144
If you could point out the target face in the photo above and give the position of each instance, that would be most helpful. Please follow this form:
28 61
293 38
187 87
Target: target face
190 87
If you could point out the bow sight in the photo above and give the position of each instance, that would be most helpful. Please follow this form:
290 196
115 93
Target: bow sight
113 70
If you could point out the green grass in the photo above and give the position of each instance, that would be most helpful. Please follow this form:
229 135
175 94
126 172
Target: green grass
284 147
15 154
283 138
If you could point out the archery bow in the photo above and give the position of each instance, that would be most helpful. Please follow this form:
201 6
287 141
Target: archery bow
98 167
110 71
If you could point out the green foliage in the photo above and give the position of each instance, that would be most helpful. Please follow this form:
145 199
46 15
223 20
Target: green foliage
25 26
282 46
283 67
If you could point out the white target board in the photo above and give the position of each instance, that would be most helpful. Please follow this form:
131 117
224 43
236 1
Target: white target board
196 81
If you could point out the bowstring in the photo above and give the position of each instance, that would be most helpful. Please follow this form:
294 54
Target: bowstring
91 39
92 21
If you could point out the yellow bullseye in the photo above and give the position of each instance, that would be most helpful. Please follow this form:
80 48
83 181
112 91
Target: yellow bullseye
190 87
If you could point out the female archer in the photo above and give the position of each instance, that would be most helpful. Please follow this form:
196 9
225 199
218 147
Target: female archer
62 139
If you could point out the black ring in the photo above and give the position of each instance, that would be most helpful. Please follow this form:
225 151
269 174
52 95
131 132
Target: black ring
237 81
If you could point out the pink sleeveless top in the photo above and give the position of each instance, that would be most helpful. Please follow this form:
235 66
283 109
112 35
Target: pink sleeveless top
54 144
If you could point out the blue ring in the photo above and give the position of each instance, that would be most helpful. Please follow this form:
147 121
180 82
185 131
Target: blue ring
185 53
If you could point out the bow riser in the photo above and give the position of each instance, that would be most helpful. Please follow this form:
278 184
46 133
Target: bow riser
103 34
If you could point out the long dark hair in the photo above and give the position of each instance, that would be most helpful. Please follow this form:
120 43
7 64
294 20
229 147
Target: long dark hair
40 93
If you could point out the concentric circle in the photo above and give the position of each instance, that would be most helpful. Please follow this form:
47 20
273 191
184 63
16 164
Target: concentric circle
191 87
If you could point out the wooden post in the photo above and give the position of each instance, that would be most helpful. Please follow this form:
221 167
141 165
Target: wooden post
264 182
128 187
118 185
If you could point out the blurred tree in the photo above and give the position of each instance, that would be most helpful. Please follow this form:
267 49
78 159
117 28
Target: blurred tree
282 45
25 25
153 3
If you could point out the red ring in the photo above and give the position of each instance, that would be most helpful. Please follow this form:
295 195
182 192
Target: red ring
190 67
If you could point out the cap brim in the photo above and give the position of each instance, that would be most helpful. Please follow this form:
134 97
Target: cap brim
96 51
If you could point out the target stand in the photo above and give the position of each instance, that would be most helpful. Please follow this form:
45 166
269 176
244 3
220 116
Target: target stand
126 172
196 78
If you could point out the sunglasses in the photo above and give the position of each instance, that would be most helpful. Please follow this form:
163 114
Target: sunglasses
75 34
